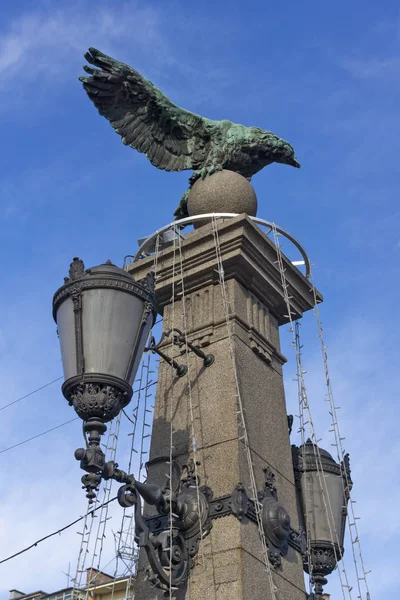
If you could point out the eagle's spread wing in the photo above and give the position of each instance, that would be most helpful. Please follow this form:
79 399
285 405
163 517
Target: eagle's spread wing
172 138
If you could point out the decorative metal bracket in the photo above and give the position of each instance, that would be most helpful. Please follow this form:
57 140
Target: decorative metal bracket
171 541
290 423
184 516
178 339
275 520
280 535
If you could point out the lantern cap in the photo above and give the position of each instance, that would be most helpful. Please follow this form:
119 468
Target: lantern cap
101 276
309 450
311 458
109 268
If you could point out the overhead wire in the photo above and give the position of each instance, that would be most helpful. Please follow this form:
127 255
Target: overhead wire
34 437
39 389
57 532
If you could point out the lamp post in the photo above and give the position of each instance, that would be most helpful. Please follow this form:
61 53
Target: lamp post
104 318
322 487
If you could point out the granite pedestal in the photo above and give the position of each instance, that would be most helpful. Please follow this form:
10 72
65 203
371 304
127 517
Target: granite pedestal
229 565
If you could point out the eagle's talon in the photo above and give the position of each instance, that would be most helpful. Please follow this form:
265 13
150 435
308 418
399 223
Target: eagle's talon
181 212
194 177
204 172
214 168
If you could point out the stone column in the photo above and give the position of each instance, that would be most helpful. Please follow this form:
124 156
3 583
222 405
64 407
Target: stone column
229 565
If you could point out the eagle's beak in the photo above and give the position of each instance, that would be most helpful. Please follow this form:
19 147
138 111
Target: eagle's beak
293 162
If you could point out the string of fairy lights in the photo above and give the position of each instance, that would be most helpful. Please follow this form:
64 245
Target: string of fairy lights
140 418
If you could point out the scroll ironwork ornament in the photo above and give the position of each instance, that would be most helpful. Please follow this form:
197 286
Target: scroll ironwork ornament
239 501
183 519
76 270
97 400
290 423
275 520
346 474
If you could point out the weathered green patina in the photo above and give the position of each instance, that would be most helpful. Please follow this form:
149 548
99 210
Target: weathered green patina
171 137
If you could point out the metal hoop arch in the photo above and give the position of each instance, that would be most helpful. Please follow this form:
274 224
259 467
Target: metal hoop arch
189 220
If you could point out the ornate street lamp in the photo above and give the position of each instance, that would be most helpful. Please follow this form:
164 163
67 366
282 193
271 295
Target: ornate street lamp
323 491
104 318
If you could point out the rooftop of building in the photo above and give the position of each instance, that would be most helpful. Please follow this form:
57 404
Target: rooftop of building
95 580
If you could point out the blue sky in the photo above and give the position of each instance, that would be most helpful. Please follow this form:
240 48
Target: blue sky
324 76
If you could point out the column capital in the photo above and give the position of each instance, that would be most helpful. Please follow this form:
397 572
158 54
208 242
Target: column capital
248 256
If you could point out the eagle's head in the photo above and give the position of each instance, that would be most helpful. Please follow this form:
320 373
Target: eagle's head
286 155
272 148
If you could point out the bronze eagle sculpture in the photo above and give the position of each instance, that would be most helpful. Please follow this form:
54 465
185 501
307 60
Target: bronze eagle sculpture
172 138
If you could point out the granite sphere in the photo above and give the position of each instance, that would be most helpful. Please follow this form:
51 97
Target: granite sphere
222 192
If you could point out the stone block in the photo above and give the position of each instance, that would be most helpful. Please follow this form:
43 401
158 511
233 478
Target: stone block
225 534
229 591
221 467
257 584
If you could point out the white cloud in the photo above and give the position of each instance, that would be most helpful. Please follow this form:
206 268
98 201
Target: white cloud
43 49
44 41
373 68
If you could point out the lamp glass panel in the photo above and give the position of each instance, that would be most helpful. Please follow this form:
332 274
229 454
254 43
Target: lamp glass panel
110 322
66 333
140 347
318 509
334 484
